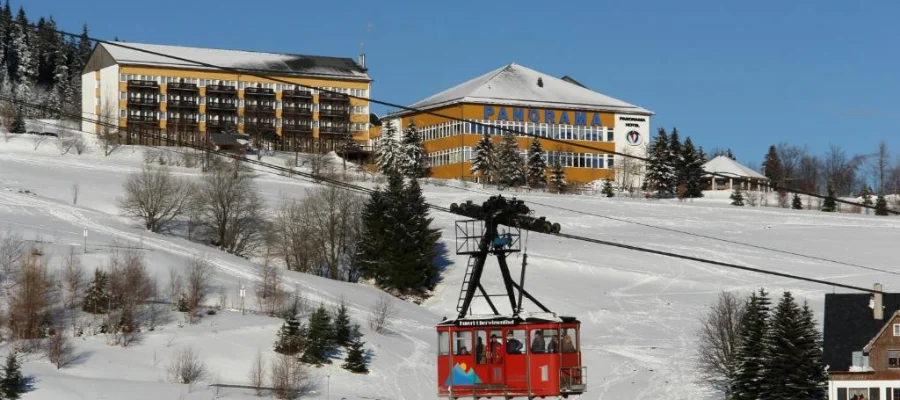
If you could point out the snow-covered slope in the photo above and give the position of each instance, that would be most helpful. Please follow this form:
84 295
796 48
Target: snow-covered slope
640 312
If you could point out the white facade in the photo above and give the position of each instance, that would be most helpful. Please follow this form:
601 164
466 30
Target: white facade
871 389
106 106
632 136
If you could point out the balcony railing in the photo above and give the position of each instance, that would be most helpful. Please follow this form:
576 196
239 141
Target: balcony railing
181 121
261 126
297 110
182 103
297 93
221 106
259 107
220 123
136 101
334 130
142 118
334 112
221 89
142 83
259 91
333 96
181 86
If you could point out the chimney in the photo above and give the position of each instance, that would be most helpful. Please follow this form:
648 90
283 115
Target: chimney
362 60
877 307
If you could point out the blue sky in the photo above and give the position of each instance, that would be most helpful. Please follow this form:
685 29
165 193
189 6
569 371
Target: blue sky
742 75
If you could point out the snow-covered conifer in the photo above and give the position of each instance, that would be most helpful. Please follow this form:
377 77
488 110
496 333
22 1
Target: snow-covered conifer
483 158
388 148
537 164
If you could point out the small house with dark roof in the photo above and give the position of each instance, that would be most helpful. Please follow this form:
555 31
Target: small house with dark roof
861 348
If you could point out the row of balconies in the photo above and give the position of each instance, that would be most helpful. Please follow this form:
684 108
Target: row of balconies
301 126
299 93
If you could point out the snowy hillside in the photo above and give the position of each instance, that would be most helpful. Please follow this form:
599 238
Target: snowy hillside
640 312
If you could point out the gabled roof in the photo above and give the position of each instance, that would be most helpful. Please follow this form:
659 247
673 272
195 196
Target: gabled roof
849 326
516 85
250 61
869 345
726 166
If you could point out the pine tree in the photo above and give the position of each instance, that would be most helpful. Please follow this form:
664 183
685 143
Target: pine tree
13 384
730 155
829 205
398 248
749 360
342 330
23 62
881 206
608 189
676 151
413 161
18 124
388 149
290 337
318 338
772 166
537 165
510 164
691 173
784 375
737 197
702 154
796 204
866 195
483 158
61 83
660 173
356 356
96 300
816 380
558 177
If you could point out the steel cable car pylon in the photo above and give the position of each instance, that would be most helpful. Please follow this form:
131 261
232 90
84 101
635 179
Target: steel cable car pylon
508 355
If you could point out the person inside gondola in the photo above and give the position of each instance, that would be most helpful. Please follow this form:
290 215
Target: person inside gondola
513 345
553 347
496 350
568 344
537 344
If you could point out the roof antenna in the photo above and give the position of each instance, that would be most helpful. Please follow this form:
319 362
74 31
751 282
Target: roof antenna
540 82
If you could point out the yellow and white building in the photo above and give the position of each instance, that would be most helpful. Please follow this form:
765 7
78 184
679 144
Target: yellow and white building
157 99
533 103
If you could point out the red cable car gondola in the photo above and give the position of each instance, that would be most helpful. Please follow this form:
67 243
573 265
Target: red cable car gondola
516 355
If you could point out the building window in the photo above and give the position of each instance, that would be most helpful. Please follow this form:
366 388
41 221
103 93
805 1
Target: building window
896 329
894 359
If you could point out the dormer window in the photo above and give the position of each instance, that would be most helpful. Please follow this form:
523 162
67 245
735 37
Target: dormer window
896 329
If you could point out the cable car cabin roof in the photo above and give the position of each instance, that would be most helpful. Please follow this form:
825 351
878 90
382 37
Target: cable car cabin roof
505 320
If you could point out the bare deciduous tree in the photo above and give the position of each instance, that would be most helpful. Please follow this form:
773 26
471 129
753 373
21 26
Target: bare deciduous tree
719 335
186 367
880 164
334 215
257 374
382 314
31 299
841 171
12 249
790 157
73 286
269 293
129 283
289 378
156 196
198 285
175 290
291 237
106 133
59 349
231 209
629 172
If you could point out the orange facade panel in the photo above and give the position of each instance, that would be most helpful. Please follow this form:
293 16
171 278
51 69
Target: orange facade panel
580 175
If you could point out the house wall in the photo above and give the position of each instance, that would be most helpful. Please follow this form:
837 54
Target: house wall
876 389
884 343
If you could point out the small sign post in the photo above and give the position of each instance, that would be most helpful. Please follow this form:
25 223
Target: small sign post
243 293
85 240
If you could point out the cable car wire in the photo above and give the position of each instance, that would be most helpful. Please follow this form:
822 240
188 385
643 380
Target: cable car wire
261 73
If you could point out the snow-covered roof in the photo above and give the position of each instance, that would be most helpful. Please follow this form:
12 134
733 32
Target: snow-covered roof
514 84
287 64
726 166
